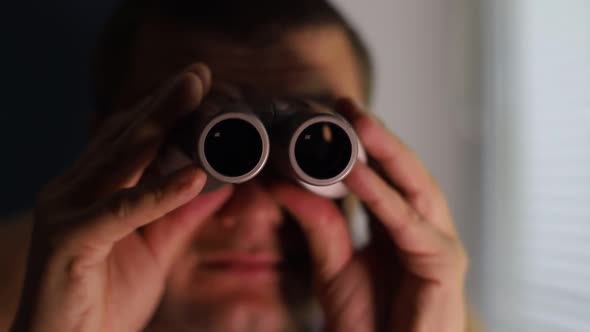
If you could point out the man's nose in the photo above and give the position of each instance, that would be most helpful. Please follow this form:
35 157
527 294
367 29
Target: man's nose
251 207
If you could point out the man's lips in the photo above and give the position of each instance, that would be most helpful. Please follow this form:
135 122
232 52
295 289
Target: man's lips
241 263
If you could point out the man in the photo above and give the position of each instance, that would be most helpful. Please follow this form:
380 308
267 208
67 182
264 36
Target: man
116 246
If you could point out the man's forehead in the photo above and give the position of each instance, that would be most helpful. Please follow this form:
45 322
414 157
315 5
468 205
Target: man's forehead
308 61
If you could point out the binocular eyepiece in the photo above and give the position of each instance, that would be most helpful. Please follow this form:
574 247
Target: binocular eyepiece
233 140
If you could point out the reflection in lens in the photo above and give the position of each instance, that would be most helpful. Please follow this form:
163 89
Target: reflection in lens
233 147
323 150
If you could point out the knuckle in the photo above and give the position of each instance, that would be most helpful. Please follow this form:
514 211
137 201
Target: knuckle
433 187
412 214
375 202
121 205
437 192
457 257
146 132
157 196
111 129
463 258
421 202
364 125
76 269
60 240
431 203
328 217
54 241
382 206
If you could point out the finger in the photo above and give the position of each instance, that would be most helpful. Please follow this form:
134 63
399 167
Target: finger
323 225
204 73
406 227
122 162
129 209
424 250
113 127
170 234
398 162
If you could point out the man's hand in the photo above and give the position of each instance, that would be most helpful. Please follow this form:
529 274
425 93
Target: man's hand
411 276
103 241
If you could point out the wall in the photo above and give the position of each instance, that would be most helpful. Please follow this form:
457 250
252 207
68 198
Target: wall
45 52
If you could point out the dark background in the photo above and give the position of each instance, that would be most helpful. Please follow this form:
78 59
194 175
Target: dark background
45 58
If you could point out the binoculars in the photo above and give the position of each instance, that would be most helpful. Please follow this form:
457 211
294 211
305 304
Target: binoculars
234 138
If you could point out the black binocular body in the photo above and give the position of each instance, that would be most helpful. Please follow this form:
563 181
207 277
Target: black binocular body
233 139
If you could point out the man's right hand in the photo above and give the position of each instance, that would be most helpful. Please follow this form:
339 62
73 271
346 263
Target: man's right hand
103 242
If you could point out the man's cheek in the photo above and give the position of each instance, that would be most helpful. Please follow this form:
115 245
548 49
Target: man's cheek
210 202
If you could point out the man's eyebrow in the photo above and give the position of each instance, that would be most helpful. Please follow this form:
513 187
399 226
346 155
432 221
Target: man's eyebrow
324 98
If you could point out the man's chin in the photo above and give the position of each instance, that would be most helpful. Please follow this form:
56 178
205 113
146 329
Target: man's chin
234 298
246 310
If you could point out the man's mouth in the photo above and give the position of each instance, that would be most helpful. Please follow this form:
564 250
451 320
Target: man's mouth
242 264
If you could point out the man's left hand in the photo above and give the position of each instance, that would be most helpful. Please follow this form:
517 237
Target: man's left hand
411 276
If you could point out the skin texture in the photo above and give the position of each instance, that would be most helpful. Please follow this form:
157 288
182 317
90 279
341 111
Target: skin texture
115 250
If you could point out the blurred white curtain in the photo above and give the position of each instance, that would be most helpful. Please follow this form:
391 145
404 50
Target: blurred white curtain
537 166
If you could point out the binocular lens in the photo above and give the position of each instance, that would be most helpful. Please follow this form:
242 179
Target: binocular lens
323 150
233 147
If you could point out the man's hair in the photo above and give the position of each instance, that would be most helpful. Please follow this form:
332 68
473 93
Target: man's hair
235 19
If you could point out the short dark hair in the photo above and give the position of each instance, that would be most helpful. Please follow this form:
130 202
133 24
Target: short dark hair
239 19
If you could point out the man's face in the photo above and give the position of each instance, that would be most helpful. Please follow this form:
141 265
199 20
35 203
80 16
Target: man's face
247 257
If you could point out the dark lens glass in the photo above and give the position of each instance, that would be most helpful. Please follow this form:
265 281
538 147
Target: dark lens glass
323 150
233 147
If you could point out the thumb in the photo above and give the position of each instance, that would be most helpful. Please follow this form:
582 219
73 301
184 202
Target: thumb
169 235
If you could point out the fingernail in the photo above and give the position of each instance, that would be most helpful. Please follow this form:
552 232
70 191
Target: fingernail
349 108
196 71
360 106
181 95
354 104
179 77
202 72
191 179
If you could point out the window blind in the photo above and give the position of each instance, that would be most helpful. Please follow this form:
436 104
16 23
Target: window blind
538 167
